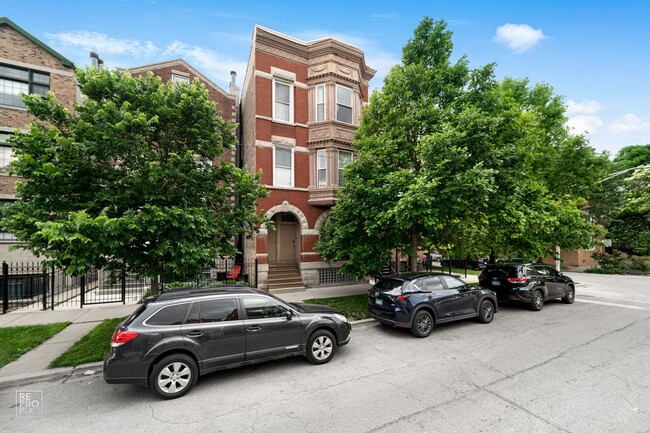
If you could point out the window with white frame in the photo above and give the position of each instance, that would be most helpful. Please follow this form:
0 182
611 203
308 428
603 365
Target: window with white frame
282 101
343 104
282 166
14 81
6 152
320 103
345 157
176 78
321 168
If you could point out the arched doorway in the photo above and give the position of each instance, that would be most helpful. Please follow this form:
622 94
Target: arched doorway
284 241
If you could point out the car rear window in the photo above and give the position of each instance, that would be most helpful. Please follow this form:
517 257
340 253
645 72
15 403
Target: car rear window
170 315
501 271
388 284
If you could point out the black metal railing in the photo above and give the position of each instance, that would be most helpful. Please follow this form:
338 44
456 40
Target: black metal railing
222 271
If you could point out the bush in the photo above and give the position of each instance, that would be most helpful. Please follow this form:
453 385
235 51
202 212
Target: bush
639 263
613 263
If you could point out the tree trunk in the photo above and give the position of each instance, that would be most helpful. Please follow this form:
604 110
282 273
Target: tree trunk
413 258
154 285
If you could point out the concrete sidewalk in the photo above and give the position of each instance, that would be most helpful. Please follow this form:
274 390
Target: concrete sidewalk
32 366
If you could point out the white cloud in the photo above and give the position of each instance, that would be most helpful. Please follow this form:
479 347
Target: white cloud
215 66
519 37
382 17
630 124
587 106
102 43
585 124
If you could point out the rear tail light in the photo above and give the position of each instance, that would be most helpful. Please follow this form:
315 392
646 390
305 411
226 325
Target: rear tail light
401 297
120 337
517 280
481 277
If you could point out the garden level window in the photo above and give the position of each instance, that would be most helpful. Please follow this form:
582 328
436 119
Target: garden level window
345 158
321 167
343 104
14 81
283 166
282 98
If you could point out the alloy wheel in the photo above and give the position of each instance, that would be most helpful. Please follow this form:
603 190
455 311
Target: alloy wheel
174 378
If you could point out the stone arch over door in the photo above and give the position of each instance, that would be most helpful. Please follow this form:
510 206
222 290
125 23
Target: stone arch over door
321 221
284 243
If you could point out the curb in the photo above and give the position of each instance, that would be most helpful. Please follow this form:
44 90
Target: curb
49 375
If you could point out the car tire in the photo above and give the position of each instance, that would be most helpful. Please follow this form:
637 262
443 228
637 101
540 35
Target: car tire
423 324
321 347
570 295
537 301
486 312
173 376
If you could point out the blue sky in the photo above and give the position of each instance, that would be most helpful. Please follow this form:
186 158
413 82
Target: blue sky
595 53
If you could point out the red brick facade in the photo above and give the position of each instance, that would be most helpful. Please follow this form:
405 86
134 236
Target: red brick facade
300 207
22 51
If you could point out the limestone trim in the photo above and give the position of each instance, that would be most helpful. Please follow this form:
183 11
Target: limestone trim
37 67
321 220
270 119
285 207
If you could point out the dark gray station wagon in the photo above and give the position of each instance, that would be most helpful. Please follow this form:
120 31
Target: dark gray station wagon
173 338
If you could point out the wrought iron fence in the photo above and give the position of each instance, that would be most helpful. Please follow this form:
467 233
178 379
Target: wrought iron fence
30 285
223 271
33 286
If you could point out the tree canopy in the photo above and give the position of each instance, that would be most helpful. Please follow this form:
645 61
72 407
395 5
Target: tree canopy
628 216
131 179
449 157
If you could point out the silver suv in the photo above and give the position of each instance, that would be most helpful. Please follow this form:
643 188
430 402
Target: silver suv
173 338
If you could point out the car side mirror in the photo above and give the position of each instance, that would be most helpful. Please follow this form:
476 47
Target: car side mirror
289 314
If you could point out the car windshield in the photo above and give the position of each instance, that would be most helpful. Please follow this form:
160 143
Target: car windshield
297 307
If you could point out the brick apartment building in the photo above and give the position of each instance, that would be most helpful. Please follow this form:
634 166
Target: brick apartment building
179 71
301 104
27 65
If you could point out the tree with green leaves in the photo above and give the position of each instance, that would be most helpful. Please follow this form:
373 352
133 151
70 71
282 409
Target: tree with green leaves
448 157
628 220
130 180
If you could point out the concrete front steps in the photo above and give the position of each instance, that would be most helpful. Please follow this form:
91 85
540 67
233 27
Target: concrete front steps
285 277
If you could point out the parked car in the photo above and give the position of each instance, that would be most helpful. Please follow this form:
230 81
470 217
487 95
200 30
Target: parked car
174 338
529 283
421 300
473 262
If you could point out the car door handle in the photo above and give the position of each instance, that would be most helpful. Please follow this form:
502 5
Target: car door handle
195 333
254 328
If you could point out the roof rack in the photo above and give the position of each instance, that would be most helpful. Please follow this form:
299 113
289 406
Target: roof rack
191 291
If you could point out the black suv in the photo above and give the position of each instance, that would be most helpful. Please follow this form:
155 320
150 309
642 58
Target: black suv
530 283
420 300
175 337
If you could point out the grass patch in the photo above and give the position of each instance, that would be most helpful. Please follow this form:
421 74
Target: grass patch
354 307
93 347
15 341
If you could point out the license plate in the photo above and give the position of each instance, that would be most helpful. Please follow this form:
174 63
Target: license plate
496 283
379 301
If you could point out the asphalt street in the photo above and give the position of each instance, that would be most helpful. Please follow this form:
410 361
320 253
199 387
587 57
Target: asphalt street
568 368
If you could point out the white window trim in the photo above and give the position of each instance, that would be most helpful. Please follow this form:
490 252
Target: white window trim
338 163
324 103
319 168
178 78
291 86
351 106
293 164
